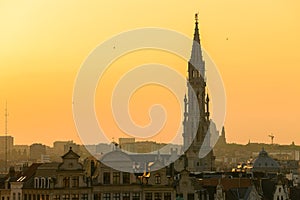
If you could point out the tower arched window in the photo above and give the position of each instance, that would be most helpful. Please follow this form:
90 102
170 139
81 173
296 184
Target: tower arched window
195 73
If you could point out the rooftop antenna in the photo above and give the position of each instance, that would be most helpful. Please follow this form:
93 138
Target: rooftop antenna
6 132
272 138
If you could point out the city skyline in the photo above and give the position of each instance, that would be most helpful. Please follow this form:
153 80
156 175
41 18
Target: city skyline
40 62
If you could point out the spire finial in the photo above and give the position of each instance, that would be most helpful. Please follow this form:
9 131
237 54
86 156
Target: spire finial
196 17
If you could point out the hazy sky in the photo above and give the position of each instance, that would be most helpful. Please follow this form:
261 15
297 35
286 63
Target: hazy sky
255 45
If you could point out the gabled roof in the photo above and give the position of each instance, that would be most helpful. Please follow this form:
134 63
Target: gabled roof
28 173
70 155
227 183
47 170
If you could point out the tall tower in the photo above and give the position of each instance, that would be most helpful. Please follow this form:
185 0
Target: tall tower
196 116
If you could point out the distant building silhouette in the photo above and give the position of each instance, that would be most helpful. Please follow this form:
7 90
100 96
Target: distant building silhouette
10 144
222 138
36 151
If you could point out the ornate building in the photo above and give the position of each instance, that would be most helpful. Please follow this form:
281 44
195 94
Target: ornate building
196 116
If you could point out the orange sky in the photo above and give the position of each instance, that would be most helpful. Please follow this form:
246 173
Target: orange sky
254 43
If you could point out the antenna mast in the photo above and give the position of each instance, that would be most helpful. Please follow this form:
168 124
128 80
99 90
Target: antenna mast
6 131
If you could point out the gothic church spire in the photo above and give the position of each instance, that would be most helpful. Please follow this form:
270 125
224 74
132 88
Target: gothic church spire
196 56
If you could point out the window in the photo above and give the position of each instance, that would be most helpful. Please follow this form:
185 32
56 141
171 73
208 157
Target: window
84 196
279 189
14 196
36 182
136 196
195 73
106 177
97 196
116 177
66 197
116 196
157 196
66 182
126 178
42 183
148 196
75 196
126 196
25 197
29 197
106 196
75 181
47 197
49 182
190 196
56 197
157 179
167 196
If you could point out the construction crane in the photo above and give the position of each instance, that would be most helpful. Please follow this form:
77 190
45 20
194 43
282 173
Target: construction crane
272 138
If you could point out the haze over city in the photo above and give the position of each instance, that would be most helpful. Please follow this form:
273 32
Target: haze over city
43 46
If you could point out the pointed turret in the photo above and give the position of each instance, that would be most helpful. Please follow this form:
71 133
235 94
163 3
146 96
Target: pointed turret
222 138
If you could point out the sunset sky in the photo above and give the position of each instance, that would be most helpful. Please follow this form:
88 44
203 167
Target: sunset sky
255 45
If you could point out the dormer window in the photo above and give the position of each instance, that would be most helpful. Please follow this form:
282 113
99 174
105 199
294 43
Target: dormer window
126 178
48 182
66 182
36 182
106 178
157 179
42 183
116 177
75 181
